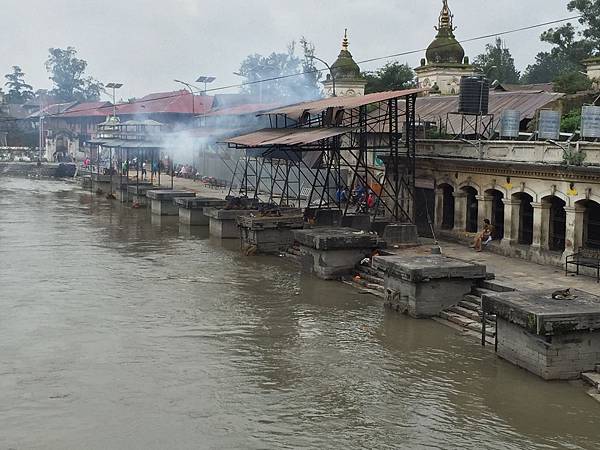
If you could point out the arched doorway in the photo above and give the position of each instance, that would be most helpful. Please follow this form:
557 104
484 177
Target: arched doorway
557 225
525 234
472 207
497 212
447 206
591 224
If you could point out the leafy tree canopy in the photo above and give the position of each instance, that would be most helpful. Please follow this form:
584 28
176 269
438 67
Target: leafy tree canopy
300 77
18 91
572 82
392 76
497 63
67 72
570 46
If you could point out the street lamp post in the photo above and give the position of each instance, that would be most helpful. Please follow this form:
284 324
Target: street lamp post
114 87
330 72
191 88
206 80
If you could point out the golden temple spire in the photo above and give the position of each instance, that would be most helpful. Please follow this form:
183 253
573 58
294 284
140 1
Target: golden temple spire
446 18
345 40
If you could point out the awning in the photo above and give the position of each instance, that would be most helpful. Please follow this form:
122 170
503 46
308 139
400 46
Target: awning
287 137
318 106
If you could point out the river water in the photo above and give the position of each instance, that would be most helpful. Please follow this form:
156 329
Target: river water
121 332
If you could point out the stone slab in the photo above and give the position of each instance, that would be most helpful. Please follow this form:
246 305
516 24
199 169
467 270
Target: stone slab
227 214
416 268
540 314
337 238
168 194
289 221
140 189
357 221
400 233
199 202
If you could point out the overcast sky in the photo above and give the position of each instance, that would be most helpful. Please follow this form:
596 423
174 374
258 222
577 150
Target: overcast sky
145 44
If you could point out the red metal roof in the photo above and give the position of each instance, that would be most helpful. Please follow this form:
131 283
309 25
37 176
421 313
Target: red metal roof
175 102
89 109
240 110
318 106
286 136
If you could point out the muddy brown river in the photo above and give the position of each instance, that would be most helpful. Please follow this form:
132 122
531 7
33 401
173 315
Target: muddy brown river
122 332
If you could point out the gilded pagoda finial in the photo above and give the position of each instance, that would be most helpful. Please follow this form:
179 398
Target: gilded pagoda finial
345 40
446 18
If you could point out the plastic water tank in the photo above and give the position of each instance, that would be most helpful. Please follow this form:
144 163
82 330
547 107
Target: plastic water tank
474 95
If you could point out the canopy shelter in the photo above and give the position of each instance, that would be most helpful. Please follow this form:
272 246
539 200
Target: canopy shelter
338 145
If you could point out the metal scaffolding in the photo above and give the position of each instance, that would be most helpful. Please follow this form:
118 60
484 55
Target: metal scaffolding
362 145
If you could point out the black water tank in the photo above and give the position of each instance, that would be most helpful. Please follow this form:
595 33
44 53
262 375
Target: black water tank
474 95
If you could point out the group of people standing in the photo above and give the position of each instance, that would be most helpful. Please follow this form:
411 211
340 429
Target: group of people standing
362 197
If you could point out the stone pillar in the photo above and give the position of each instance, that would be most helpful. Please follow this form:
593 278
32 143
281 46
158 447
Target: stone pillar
484 208
541 226
574 233
512 209
460 211
439 208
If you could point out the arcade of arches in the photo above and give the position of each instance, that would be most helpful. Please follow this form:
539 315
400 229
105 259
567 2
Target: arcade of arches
543 227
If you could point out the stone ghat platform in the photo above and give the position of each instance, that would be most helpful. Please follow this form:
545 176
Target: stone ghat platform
269 234
136 193
331 253
223 222
162 201
555 338
423 286
192 209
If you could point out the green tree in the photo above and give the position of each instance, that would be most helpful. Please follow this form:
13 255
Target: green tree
565 57
282 77
590 12
67 72
572 82
497 63
393 76
18 91
571 121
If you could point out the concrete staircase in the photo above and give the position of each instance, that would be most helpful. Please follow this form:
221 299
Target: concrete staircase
369 281
593 379
467 314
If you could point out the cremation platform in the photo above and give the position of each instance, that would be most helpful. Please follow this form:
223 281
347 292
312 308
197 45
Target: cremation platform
555 338
163 201
137 193
191 209
269 234
331 253
223 222
423 286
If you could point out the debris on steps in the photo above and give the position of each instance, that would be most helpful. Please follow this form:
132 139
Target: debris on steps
467 314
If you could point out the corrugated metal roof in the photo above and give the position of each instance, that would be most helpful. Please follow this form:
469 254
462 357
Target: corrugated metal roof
178 102
286 136
239 110
528 103
120 143
318 106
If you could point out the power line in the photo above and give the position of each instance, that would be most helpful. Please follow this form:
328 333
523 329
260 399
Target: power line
378 58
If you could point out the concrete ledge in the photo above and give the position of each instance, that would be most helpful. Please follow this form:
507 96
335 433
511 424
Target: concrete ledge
336 238
167 194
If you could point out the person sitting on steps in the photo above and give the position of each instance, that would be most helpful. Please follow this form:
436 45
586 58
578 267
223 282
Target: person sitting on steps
484 237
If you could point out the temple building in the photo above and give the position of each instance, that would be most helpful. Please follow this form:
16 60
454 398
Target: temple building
347 80
445 61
